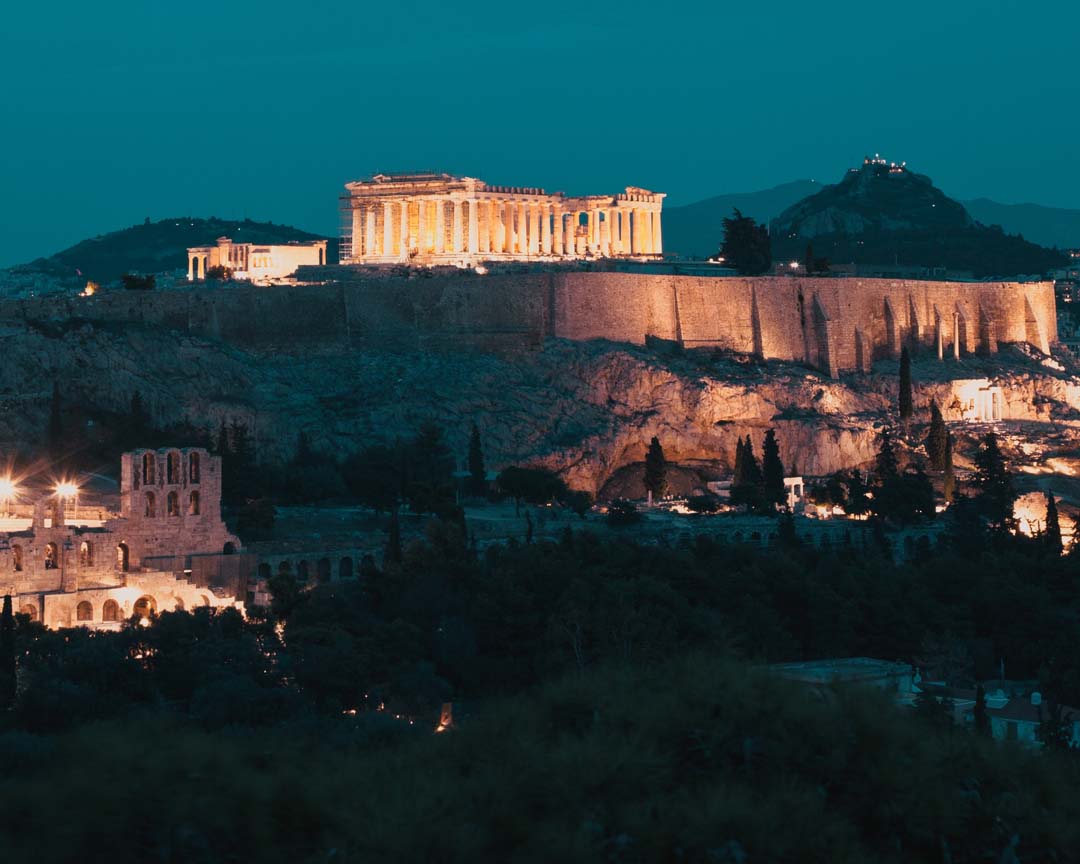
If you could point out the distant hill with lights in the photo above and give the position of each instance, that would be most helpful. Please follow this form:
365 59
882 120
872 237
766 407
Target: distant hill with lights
881 214
159 247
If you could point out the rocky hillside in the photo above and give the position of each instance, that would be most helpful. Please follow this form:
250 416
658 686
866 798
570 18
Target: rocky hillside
159 247
583 409
882 214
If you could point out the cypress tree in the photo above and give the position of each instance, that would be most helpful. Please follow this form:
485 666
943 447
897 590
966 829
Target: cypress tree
936 438
7 655
906 403
982 719
56 426
996 492
477 472
655 470
738 475
752 469
948 476
1052 537
772 470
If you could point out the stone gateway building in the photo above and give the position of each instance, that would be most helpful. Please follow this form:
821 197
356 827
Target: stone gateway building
428 219
166 549
254 262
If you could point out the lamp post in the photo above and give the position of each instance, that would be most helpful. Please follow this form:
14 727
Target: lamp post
66 491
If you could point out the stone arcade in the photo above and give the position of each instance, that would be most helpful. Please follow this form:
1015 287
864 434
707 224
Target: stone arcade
89 566
429 219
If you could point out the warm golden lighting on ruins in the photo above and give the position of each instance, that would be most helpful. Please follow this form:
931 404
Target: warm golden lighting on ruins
8 489
66 489
90 290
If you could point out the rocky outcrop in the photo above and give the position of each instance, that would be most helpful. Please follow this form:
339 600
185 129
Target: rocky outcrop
584 409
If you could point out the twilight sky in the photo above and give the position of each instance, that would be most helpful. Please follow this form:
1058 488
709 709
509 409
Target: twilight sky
116 111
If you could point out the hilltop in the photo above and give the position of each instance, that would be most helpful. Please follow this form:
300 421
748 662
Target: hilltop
882 214
159 247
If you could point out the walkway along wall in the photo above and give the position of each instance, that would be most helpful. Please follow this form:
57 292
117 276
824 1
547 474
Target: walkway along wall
833 324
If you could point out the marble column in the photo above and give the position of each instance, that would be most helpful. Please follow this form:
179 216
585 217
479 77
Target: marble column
534 229
635 232
357 232
474 228
403 231
458 229
545 228
388 229
422 230
956 335
484 226
440 226
559 248
369 234
605 233
646 239
523 228
657 236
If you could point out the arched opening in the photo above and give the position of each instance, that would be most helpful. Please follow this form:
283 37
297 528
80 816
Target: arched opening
172 467
230 548
148 467
16 557
193 504
264 571
151 505
86 554
52 556
205 600
179 605
145 607
322 569
122 560
30 610
284 568
193 467
303 571
345 568
84 611
172 503
110 611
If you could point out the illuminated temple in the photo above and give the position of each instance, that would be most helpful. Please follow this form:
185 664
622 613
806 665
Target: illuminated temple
427 219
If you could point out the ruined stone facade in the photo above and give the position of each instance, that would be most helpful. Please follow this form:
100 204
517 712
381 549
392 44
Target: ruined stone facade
88 566
428 219
254 262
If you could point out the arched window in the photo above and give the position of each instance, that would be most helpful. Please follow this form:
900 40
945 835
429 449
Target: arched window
16 557
205 600
193 504
86 554
84 611
179 604
345 568
110 611
122 559
145 606
151 509
193 467
52 556
29 609
230 548
284 568
148 467
172 467
173 503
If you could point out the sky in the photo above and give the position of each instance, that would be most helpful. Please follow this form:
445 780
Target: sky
118 111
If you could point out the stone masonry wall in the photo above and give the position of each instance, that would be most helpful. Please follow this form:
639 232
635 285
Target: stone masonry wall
833 324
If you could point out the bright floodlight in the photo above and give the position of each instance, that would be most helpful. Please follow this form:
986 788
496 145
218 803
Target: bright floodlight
7 487
67 490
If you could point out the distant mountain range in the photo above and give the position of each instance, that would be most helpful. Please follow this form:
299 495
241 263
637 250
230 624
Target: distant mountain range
695 229
159 247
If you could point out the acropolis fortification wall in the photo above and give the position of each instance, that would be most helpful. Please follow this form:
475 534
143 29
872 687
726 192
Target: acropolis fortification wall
835 325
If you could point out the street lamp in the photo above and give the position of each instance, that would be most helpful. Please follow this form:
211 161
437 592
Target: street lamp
69 492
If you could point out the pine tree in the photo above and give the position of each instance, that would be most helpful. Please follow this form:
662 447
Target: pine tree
906 402
7 655
477 472
772 470
1052 537
936 438
948 476
996 492
655 470
747 246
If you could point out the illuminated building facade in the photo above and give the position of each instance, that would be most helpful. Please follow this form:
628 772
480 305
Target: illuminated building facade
254 262
427 219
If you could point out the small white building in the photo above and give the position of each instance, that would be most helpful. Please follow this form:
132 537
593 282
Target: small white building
254 262
979 400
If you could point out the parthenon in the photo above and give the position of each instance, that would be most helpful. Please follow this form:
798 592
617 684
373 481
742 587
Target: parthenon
428 218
